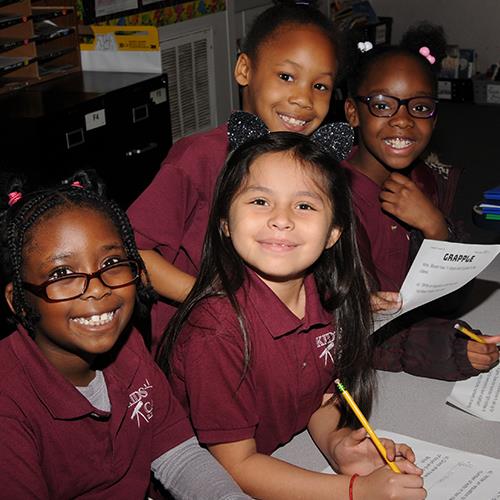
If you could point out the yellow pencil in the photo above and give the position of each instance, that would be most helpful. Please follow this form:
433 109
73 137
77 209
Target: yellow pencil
366 425
470 334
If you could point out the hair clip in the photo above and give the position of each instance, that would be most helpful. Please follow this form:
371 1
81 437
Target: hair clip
335 138
365 46
14 197
77 184
425 51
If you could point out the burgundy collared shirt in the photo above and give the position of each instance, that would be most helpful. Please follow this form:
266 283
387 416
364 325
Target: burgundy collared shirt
382 237
171 215
291 366
55 445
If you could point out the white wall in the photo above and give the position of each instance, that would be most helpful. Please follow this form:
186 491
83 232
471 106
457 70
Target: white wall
467 23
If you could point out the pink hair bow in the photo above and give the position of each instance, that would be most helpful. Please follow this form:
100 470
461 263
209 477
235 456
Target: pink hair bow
425 51
14 197
77 184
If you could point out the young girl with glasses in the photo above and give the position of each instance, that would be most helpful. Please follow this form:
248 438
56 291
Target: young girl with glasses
399 199
84 410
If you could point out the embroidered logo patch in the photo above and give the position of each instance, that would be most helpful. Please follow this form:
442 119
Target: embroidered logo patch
142 403
326 342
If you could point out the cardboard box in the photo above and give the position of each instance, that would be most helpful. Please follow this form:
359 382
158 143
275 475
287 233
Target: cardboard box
134 49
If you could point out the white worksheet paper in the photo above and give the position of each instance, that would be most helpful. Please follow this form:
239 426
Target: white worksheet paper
439 268
479 396
451 474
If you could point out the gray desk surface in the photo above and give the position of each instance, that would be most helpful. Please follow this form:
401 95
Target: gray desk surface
415 406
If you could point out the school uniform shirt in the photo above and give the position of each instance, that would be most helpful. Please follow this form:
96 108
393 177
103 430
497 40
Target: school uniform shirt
290 368
414 343
384 241
171 215
55 445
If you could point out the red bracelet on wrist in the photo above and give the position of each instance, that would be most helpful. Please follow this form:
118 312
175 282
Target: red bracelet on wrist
351 484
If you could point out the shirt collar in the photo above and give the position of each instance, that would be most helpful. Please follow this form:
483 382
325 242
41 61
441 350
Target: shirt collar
57 394
278 319
364 189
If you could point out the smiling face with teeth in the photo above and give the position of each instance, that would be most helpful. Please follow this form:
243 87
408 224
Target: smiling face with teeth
289 83
281 220
392 143
71 333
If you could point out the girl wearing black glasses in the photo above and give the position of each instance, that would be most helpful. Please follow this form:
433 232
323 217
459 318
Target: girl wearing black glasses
84 410
400 199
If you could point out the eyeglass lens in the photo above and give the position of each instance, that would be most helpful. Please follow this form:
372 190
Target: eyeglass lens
418 107
114 276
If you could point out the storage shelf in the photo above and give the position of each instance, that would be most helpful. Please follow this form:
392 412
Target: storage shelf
32 34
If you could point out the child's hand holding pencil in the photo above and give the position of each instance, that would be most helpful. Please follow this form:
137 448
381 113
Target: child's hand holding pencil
482 350
358 443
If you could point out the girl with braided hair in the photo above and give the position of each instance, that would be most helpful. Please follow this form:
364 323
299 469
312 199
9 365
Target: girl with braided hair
84 410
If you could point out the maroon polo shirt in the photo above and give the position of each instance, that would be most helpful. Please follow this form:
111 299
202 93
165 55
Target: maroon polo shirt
381 236
290 370
55 444
171 215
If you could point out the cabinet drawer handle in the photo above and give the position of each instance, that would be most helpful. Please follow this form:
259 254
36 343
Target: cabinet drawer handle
75 138
140 113
140 151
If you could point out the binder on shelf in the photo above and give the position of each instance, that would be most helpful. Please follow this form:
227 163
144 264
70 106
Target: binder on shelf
41 14
487 213
492 194
13 42
7 20
8 64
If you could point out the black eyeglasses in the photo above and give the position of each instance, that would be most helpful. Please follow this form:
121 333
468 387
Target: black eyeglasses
72 286
385 106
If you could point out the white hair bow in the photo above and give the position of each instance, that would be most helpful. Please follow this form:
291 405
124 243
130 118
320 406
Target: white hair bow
365 46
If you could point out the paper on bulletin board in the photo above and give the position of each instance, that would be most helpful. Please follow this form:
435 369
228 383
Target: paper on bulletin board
133 49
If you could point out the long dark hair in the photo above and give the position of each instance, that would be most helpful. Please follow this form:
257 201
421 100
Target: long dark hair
83 189
339 274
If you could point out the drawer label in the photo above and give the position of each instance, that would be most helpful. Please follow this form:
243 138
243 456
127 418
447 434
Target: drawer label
159 95
95 119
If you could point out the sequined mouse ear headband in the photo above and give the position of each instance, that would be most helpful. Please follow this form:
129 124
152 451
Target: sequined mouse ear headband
335 138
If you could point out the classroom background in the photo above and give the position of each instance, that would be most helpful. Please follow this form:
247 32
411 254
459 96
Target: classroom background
112 84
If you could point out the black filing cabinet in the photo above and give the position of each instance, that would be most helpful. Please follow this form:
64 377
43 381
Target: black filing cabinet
116 123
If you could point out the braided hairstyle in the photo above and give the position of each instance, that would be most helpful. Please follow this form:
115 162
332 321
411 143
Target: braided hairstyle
286 13
422 34
21 211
